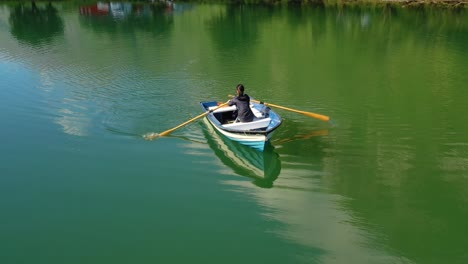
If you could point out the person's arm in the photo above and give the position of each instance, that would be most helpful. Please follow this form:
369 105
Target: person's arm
232 102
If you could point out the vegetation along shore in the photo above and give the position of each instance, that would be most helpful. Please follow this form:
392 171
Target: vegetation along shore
452 4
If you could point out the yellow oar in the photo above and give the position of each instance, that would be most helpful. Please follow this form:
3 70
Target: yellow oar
151 136
309 114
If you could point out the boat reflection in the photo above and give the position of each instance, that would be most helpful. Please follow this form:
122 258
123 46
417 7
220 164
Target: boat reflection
263 167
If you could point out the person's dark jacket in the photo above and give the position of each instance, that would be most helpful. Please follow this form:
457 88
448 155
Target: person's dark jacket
244 113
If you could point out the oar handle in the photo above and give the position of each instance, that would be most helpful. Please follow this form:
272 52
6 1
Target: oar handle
309 114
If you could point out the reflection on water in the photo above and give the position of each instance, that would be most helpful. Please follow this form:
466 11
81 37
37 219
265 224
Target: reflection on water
262 167
311 134
35 24
123 9
389 181
118 17
237 25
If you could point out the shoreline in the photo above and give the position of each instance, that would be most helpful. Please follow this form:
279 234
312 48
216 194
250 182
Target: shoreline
442 4
414 4
410 4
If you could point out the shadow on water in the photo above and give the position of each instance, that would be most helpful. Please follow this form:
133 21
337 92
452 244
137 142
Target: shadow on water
303 136
263 167
35 24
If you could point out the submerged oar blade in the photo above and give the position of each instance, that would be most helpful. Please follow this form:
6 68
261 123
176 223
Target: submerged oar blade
151 136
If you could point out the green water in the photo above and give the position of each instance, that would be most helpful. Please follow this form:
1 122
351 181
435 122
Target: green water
385 182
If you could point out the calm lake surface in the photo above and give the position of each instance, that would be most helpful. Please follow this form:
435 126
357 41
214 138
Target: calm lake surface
385 182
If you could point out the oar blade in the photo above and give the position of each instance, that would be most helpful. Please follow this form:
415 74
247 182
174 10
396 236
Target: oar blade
317 116
309 114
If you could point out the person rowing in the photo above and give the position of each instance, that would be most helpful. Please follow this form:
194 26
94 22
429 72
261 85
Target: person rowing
242 103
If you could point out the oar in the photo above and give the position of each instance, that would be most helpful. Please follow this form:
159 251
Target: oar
309 114
151 136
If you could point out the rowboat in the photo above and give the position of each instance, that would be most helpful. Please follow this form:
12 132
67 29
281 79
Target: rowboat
263 167
254 134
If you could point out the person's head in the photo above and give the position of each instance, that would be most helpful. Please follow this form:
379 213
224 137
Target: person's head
240 89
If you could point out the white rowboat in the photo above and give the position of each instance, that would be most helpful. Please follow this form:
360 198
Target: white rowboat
254 134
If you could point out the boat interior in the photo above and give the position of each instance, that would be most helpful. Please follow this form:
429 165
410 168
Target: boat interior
226 116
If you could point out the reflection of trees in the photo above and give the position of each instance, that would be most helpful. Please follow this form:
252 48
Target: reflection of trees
392 175
153 19
35 25
300 17
400 186
376 30
237 27
299 139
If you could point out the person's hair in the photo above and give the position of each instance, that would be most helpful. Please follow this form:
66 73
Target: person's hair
240 87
